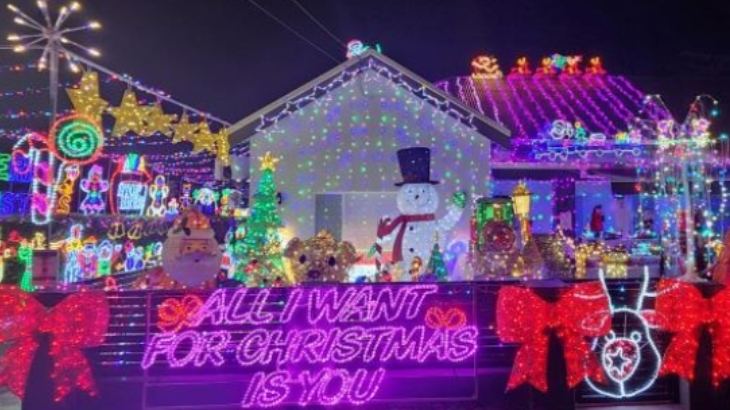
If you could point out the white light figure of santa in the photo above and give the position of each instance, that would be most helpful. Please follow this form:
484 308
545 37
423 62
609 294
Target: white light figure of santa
413 231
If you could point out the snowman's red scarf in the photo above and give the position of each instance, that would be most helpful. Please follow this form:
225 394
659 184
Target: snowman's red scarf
386 227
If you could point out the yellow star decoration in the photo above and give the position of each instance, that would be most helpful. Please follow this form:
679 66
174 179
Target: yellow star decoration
157 121
222 145
203 139
184 130
268 162
129 115
85 97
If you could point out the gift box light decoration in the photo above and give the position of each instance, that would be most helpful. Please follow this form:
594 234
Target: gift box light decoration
615 262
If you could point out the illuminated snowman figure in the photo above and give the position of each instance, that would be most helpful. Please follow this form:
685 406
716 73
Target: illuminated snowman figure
622 351
412 232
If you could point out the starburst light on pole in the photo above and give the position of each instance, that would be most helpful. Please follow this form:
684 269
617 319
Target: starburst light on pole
52 37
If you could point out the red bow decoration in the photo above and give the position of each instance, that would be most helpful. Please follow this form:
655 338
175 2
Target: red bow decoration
681 309
79 321
523 317
175 314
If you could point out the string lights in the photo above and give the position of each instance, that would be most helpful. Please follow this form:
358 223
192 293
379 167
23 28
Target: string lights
623 352
523 317
78 322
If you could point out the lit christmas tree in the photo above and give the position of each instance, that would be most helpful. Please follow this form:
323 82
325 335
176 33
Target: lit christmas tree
436 266
259 257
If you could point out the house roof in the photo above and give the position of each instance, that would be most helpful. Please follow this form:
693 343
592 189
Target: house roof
340 75
526 104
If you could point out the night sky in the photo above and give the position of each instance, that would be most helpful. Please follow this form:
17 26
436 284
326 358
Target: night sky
227 57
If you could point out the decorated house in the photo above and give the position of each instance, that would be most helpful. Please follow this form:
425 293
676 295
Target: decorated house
338 139
573 136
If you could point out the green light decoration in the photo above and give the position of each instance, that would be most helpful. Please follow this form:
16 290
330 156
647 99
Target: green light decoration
259 257
76 139
25 255
491 209
436 266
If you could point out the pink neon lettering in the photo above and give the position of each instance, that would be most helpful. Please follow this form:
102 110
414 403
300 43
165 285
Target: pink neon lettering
404 344
419 294
212 347
258 316
348 339
157 346
237 303
279 345
252 348
328 306
295 296
463 344
364 388
331 392
306 347
213 308
311 384
386 306
195 347
267 390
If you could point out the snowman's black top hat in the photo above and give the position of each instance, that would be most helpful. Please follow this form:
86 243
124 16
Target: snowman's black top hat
415 166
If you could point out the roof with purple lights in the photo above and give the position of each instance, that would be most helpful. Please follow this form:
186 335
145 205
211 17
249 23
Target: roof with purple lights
562 111
527 104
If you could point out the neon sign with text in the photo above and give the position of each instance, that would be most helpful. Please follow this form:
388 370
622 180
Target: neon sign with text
328 345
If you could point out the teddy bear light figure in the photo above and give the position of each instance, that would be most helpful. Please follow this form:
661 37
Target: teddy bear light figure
320 259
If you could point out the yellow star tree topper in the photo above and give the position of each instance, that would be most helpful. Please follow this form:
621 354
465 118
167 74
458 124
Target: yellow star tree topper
157 121
85 97
130 116
184 130
268 162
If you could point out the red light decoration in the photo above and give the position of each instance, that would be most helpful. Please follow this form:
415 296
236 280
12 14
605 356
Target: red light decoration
523 317
681 309
79 321
446 319
174 314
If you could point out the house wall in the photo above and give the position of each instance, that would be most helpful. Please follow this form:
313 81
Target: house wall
346 142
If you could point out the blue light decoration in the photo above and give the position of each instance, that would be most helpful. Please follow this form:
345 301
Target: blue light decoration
73 247
206 200
20 167
130 179
95 186
357 47
12 203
